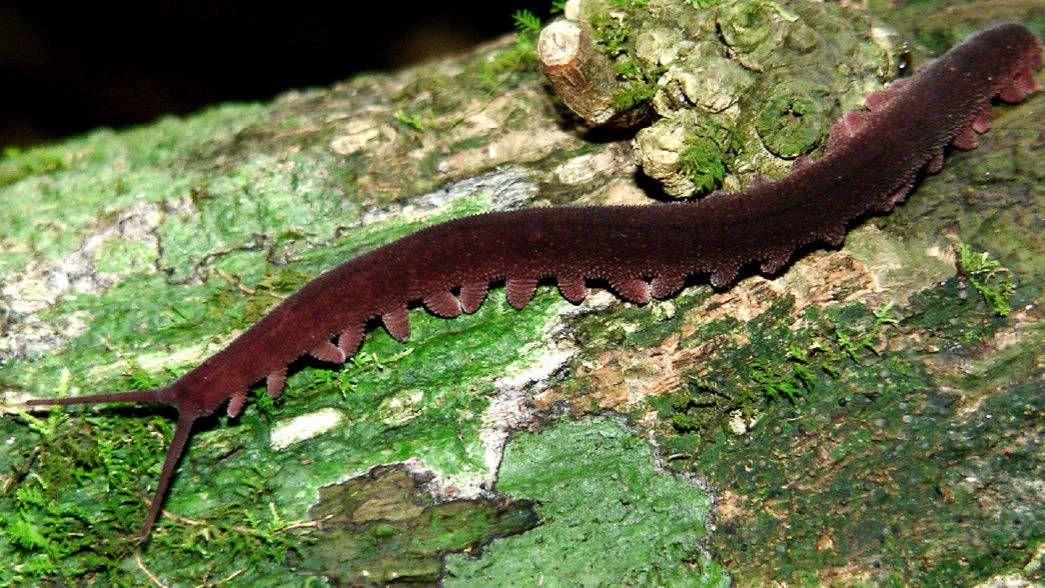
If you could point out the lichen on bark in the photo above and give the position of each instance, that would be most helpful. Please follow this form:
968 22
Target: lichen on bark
736 64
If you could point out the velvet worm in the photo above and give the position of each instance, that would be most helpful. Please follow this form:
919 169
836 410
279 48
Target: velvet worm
872 161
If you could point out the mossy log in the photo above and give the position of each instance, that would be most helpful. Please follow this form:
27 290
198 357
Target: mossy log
864 417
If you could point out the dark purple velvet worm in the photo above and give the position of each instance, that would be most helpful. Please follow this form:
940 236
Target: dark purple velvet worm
872 160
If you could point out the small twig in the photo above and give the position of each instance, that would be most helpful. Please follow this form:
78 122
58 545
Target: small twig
305 524
224 580
238 529
145 570
239 286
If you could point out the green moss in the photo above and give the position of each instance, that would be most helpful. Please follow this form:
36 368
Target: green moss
413 121
950 321
610 34
776 368
494 70
613 32
989 278
638 86
704 162
69 519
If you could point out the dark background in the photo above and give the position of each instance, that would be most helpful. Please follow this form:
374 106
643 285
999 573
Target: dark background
66 69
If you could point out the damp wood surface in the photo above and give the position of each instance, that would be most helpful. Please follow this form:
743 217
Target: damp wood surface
129 257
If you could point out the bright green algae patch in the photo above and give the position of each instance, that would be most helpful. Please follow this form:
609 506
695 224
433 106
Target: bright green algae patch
47 207
609 517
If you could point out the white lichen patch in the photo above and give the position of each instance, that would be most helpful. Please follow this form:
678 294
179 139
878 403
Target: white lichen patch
362 134
739 424
300 428
585 168
515 147
42 284
507 188
509 410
